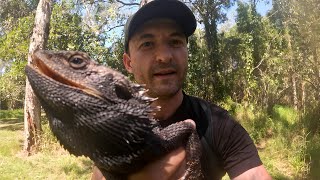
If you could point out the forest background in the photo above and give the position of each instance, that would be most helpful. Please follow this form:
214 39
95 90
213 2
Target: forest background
264 69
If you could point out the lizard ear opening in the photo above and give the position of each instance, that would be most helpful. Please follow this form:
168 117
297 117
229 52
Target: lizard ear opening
122 92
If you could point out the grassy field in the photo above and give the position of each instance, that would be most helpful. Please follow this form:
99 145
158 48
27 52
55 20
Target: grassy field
52 162
288 141
289 147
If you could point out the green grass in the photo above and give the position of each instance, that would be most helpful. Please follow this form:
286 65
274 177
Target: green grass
283 139
8 114
51 162
288 144
314 158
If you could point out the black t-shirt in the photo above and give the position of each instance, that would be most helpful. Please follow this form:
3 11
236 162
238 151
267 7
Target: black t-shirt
226 146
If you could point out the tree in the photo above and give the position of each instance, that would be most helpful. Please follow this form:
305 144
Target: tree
32 109
12 10
210 13
13 53
296 21
195 83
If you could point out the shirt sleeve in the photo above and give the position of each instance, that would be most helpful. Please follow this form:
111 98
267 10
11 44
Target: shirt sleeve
232 143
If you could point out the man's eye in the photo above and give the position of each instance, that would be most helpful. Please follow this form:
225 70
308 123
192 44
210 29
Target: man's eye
146 44
176 43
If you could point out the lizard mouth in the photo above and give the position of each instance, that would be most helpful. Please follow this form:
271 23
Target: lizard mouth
39 66
42 68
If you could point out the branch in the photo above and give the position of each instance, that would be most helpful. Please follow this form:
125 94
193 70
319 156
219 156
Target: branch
128 4
280 94
114 27
312 84
257 65
106 1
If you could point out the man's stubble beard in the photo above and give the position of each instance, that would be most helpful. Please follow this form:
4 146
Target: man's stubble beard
175 88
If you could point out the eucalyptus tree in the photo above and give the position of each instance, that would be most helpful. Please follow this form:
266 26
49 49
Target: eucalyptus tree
296 20
15 19
209 14
12 10
244 53
32 108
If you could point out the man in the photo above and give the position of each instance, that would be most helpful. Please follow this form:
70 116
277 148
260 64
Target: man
156 54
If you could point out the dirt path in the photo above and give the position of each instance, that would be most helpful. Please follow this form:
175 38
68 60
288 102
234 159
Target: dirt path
12 124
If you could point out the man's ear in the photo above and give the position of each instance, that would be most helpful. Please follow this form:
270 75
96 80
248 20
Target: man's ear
127 62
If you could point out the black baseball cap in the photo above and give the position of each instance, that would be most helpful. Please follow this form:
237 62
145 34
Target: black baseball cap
171 9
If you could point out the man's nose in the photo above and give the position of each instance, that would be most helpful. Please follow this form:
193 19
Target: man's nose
163 53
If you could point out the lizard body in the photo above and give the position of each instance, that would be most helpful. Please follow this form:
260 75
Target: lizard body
97 112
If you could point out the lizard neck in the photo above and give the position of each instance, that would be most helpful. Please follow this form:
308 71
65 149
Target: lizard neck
168 105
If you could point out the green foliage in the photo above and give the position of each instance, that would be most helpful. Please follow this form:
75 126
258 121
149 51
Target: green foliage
115 56
11 11
282 140
196 81
313 149
12 86
311 119
14 51
210 13
286 115
9 114
14 44
286 157
68 33
48 142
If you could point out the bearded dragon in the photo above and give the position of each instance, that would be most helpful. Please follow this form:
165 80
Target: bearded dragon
97 112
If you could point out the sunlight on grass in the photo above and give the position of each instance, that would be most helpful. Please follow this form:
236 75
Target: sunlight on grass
281 138
45 166
285 144
10 142
52 162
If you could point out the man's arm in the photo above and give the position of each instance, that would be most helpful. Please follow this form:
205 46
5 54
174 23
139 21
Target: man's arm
96 174
171 166
259 173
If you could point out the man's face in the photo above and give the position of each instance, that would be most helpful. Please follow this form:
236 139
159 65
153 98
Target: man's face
158 57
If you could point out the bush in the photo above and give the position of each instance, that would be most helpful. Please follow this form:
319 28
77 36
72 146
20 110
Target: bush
286 115
281 138
10 114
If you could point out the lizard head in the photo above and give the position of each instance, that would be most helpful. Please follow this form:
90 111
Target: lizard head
76 69
85 100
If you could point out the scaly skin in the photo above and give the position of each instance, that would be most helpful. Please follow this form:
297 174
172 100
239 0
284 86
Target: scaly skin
97 112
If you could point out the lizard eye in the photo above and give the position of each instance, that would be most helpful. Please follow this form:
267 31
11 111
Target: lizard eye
77 62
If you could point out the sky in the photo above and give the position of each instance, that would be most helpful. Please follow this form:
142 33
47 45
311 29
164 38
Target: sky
263 6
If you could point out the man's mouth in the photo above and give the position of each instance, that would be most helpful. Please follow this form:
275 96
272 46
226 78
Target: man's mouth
164 73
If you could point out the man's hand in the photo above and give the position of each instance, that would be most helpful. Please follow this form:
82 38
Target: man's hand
171 166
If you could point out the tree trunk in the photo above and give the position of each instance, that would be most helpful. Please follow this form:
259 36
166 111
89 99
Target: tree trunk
294 91
32 110
303 97
213 56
